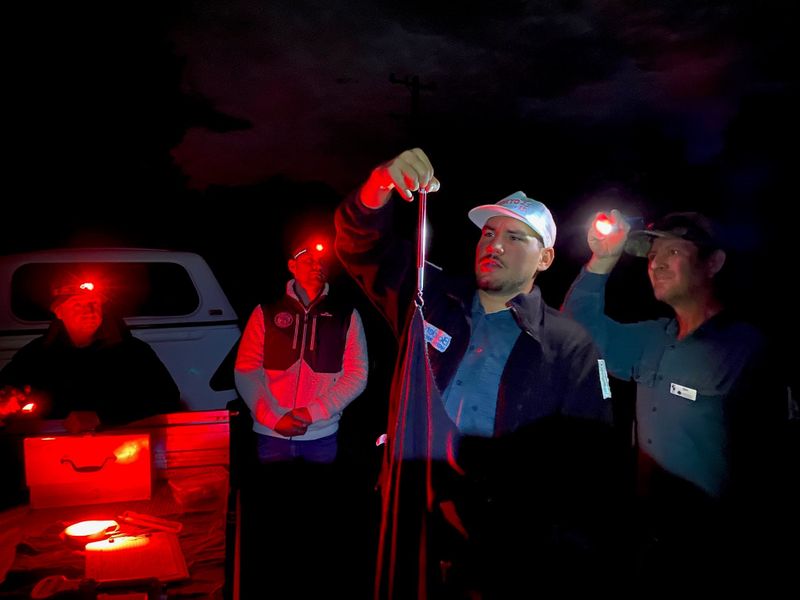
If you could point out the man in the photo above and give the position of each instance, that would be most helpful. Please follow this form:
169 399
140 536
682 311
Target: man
301 361
89 361
708 408
521 383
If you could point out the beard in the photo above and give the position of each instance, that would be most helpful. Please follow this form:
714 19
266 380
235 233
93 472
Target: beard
503 286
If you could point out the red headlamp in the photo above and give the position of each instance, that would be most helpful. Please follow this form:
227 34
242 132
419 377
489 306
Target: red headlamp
314 248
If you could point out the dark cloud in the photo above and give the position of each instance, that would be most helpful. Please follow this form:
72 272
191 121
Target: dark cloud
142 106
313 78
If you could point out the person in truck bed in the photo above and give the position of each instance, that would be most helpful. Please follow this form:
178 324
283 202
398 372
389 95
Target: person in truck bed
88 360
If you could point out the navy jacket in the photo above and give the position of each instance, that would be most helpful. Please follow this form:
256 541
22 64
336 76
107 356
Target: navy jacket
541 491
553 368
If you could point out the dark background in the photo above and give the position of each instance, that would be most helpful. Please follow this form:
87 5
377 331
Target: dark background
219 126
215 126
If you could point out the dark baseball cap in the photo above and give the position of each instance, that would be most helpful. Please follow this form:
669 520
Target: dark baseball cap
689 226
315 245
65 287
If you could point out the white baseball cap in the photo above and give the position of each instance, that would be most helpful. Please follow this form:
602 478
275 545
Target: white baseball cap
518 206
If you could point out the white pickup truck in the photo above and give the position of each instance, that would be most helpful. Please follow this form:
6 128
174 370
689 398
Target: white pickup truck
169 299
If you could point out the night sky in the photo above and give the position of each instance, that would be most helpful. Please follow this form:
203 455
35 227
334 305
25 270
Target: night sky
214 126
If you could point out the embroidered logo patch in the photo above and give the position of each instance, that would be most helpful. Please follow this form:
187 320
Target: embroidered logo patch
283 320
436 337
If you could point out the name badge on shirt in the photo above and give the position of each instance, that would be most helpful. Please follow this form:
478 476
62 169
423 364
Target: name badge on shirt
604 385
436 337
683 391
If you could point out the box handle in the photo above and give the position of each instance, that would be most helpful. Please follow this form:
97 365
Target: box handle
88 468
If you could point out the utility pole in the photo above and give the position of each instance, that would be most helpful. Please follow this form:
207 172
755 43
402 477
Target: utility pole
415 87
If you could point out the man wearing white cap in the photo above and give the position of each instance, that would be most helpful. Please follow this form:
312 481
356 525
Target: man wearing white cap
523 384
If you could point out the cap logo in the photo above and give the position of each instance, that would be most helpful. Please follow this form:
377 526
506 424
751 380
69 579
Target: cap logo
516 204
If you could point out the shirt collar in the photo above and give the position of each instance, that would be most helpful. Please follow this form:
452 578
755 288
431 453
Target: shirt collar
290 291
528 310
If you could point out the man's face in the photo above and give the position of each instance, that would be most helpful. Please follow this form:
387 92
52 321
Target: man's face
676 271
508 256
309 269
82 315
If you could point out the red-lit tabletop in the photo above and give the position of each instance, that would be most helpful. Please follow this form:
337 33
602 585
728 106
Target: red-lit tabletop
190 487
31 539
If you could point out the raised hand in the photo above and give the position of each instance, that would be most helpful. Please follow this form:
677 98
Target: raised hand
608 242
407 173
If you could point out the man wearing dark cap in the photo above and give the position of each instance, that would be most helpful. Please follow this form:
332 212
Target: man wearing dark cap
708 404
521 384
301 361
88 360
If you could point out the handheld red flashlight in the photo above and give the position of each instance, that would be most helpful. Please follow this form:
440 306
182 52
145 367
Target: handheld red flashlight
603 224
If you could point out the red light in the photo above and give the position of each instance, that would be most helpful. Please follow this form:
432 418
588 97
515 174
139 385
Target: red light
29 407
85 532
128 452
77 289
603 225
91 528
316 247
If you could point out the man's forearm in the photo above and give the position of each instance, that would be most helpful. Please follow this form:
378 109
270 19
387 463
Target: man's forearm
602 265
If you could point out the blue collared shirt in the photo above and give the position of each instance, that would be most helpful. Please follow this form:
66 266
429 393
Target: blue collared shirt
686 388
471 398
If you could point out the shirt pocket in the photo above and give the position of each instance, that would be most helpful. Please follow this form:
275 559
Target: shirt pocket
646 372
708 370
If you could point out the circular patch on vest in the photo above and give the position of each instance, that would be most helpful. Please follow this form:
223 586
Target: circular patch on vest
283 320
